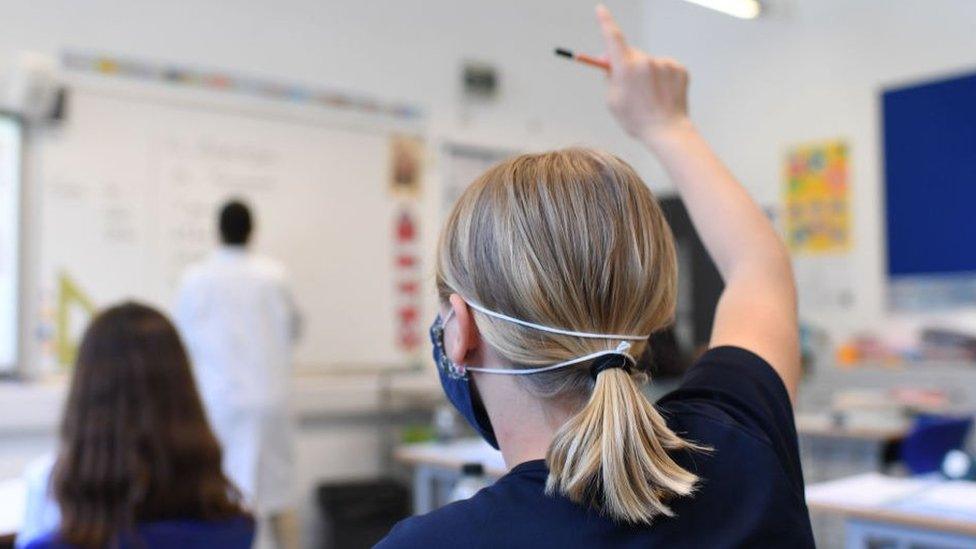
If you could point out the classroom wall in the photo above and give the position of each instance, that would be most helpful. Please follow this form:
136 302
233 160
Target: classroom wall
408 50
806 70
811 70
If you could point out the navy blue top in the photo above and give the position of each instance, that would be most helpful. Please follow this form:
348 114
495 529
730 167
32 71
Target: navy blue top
237 533
750 494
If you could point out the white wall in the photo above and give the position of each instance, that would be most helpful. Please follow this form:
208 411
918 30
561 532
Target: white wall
811 70
398 49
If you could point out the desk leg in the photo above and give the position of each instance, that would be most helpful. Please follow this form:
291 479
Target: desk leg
423 490
854 535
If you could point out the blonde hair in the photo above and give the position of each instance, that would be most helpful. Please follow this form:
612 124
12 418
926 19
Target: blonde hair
574 239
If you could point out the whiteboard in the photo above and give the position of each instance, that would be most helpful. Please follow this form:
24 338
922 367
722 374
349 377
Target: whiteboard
11 140
130 191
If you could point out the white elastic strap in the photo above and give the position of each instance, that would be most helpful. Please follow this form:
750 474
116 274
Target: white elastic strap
554 330
620 350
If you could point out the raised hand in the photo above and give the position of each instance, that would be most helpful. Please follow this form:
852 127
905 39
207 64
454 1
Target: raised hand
646 94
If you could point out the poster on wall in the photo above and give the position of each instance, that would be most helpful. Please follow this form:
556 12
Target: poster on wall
817 196
407 265
817 223
406 173
406 165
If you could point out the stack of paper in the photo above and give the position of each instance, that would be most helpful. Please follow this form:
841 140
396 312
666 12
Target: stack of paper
868 490
948 499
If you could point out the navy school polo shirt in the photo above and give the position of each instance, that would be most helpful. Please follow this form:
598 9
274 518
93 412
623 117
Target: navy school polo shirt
750 493
234 533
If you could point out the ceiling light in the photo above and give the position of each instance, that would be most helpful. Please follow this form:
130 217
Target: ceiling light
743 9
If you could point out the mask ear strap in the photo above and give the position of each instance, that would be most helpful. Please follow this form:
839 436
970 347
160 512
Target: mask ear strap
622 348
552 330
621 351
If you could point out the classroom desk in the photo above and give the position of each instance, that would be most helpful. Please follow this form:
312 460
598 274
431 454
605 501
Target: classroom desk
822 425
437 466
829 451
900 512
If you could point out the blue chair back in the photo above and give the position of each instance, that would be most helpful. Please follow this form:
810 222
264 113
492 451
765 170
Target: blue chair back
930 440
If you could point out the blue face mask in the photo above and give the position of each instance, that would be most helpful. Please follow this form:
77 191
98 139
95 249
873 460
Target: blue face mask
457 385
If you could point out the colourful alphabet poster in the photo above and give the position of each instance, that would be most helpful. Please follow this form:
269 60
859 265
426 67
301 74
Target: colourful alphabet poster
817 194
406 164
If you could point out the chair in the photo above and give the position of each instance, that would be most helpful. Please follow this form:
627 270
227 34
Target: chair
361 513
930 440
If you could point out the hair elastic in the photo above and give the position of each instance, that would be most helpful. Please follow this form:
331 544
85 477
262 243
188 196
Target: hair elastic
610 362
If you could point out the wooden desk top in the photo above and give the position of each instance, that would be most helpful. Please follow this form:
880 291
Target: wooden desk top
901 517
905 501
821 426
452 455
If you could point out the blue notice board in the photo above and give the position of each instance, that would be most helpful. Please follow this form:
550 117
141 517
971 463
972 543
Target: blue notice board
930 177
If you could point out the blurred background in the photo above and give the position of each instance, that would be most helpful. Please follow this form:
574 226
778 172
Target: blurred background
350 128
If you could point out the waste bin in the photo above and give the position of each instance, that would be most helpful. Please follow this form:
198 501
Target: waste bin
360 513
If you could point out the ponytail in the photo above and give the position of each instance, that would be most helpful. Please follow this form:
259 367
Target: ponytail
613 454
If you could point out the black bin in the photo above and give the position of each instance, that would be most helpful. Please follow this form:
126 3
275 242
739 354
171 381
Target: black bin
360 513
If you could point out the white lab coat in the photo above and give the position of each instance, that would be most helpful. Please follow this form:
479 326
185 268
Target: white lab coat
239 322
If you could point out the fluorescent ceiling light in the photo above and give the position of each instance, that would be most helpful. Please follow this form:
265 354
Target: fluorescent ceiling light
743 9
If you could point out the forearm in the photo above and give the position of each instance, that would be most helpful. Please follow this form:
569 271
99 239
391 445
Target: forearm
757 310
649 97
737 234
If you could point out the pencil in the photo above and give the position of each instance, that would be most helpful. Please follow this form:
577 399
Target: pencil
583 58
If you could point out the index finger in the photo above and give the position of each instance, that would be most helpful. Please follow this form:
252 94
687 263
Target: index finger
614 37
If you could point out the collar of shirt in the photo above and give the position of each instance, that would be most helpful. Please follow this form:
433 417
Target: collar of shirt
231 252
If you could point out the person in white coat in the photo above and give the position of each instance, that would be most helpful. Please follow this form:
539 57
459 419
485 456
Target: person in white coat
237 316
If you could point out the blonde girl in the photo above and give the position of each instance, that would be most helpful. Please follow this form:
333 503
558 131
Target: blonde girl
553 269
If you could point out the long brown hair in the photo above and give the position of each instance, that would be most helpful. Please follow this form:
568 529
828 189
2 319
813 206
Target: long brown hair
574 239
135 442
